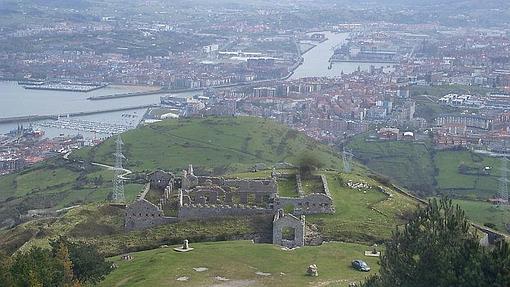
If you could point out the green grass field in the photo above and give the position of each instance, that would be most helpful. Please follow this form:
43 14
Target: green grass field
287 187
361 216
485 212
238 261
408 163
213 144
472 184
460 175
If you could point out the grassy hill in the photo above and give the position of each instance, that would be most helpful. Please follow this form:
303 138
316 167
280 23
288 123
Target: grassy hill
239 262
214 143
421 168
362 215
460 174
410 164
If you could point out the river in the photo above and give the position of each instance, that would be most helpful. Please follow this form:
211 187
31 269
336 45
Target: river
17 101
316 60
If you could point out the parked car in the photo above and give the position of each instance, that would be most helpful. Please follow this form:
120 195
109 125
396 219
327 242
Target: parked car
360 265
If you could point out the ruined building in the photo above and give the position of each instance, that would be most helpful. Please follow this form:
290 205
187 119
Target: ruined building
168 199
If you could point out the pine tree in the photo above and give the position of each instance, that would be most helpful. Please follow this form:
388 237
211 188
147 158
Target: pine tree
438 248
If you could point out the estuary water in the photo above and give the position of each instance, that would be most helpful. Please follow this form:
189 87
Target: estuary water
316 60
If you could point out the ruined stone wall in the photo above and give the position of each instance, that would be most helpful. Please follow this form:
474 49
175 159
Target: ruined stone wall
320 202
299 184
311 204
199 211
325 185
160 179
281 222
258 185
143 214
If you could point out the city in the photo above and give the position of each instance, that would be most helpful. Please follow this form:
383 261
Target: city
183 111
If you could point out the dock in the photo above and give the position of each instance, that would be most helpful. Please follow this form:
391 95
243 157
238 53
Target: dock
34 118
127 95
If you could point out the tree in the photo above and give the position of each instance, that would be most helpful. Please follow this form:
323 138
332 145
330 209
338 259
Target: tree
438 248
6 278
89 266
66 265
36 267
309 162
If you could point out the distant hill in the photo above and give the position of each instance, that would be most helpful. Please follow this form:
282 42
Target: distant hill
215 144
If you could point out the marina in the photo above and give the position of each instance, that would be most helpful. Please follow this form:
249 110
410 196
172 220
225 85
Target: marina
63 86
86 126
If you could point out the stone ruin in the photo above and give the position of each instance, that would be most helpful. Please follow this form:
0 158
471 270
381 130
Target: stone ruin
317 202
205 197
143 214
287 222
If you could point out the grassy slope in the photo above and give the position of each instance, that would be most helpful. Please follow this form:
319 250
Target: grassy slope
239 261
363 217
472 186
485 212
410 164
52 184
213 142
413 166
399 161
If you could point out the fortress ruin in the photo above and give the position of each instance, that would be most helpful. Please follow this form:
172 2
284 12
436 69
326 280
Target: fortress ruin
169 199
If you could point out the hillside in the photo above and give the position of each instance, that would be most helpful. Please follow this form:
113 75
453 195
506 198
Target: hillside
216 144
469 177
363 215
212 145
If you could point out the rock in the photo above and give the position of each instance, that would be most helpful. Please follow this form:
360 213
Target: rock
312 270
219 278
183 278
262 273
200 269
